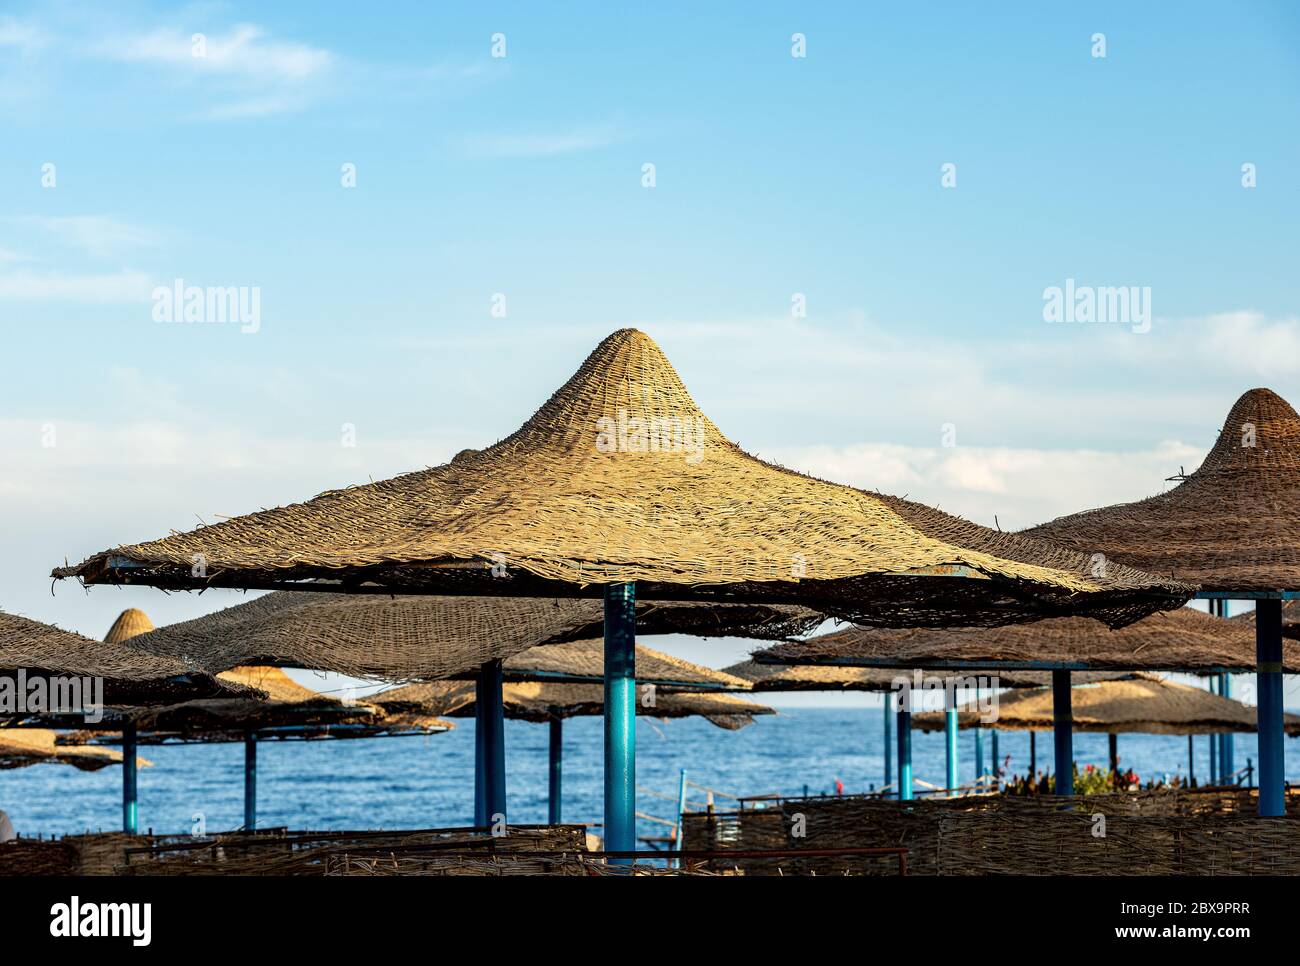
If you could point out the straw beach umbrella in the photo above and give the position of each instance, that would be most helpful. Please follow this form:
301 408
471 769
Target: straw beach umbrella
1185 640
130 623
64 666
1145 704
1230 527
426 637
289 712
583 662
20 747
551 702
809 677
620 480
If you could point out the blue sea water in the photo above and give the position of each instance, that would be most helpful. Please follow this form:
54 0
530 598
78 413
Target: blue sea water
428 781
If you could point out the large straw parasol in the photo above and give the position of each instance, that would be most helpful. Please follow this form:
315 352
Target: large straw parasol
20 747
1186 639
1229 526
31 650
619 479
424 637
1147 704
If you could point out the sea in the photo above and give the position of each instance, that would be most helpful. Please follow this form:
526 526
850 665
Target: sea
428 781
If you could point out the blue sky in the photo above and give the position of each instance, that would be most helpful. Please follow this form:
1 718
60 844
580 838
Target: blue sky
522 175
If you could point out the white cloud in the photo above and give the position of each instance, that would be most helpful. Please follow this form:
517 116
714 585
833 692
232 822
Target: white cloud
243 52
99 235
1010 488
21 35
492 146
28 286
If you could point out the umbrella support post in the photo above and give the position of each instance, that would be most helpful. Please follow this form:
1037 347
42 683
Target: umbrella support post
1033 754
1062 728
130 817
889 741
979 751
993 756
620 719
555 771
904 750
1268 668
250 780
1191 761
950 741
1227 747
679 836
1112 748
489 747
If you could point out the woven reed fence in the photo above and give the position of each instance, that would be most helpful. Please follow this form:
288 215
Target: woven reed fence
1067 843
91 854
281 852
1210 831
422 863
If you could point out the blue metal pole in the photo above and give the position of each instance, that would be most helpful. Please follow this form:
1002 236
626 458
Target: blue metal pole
904 752
250 780
1033 754
679 836
993 755
1268 670
1191 760
490 745
620 718
129 809
554 809
979 753
889 740
1214 742
1063 727
950 743
480 753
1227 747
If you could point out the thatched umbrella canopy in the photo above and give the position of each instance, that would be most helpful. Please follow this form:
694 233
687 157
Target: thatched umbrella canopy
289 711
129 623
619 480
546 701
1229 526
1290 620
579 662
1181 640
30 650
20 747
1146 704
425 637
829 677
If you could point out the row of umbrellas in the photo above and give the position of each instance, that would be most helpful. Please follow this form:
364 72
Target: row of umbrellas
619 488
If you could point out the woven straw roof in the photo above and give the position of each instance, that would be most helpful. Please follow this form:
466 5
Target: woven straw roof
584 661
620 477
1290 619
1229 526
287 705
422 637
543 701
131 677
1145 704
1182 640
810 677
129 623
20 747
